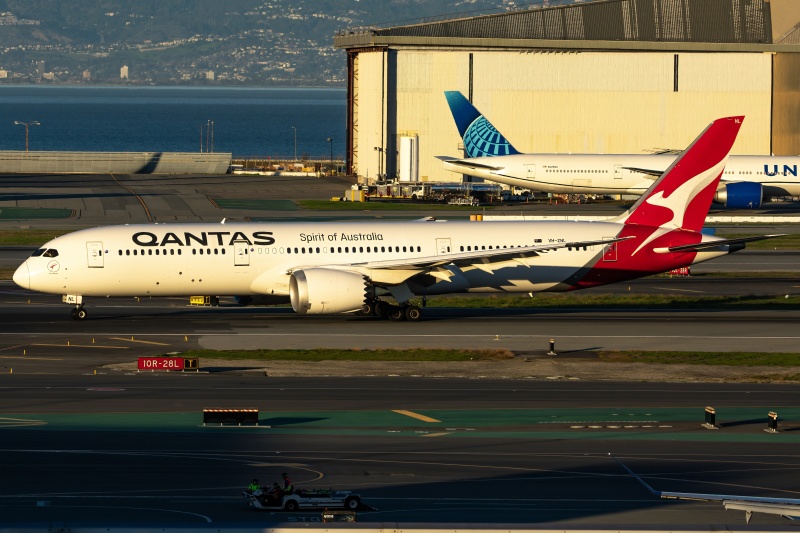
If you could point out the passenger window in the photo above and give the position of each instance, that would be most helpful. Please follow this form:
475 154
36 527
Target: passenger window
52 252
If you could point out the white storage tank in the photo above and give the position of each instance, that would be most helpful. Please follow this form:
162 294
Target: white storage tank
409 158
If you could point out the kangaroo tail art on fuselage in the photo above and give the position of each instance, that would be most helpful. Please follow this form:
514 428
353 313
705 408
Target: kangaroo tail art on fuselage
337 267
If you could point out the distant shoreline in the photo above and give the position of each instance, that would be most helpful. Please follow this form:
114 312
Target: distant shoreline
168 86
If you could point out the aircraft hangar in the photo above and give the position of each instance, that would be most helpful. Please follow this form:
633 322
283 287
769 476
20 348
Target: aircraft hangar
557 76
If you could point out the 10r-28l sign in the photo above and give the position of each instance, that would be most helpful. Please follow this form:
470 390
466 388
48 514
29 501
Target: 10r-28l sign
161 363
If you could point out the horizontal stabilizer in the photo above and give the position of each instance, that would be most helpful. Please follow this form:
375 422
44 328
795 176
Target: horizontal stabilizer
467 163
648 171
725 242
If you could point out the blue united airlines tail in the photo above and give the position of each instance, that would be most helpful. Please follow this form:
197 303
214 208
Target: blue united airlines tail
481 139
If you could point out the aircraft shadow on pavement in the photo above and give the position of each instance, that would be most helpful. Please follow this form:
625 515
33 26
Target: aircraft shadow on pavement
288 421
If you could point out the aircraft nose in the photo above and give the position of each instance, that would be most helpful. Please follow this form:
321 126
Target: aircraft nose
22 276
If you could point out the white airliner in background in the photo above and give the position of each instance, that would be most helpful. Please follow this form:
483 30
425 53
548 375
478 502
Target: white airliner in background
336 267
748 179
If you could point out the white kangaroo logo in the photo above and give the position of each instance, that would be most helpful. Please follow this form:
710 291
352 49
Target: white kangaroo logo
678 201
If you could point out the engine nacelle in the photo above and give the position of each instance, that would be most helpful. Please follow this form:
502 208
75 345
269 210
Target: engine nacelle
741 195
320 291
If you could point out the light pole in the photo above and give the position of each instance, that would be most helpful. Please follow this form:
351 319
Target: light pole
295 144
330 141
27 124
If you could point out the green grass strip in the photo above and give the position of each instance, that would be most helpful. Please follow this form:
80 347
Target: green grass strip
738 359
352 355
29 237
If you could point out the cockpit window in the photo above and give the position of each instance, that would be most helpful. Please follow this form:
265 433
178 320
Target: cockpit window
38 252
51 252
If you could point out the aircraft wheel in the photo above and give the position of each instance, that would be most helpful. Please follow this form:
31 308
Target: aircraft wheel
382 309
352 503
291 505
396 314
81 314
413 313
367 309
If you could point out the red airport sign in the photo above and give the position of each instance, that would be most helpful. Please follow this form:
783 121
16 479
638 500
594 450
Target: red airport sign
161 363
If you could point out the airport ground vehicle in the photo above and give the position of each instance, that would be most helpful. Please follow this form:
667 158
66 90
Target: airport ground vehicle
305 499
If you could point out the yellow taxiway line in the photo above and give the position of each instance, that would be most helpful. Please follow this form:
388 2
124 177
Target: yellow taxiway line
415 415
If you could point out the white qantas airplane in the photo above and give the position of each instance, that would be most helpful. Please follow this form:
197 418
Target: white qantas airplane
336 267
747 181
788 508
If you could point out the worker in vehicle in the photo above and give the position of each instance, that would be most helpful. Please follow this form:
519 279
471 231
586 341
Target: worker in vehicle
288 488
254 486
274 495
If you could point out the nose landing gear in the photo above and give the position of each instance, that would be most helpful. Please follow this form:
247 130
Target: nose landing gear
78 313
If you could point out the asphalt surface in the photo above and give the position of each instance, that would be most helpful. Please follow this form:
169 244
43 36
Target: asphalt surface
516 453
82 444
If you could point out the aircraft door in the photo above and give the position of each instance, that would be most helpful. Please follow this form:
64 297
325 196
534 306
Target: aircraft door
610 254
531 174
618 172
442 246
94 254
241 254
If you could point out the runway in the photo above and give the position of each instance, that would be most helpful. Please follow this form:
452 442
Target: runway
489 452
83 444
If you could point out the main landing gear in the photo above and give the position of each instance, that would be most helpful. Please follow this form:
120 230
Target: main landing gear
79 313
395 313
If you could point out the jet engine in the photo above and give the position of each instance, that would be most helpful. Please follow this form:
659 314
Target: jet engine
740 195
320 291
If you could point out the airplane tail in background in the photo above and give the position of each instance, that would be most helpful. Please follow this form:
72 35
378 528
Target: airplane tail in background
681 197
481 139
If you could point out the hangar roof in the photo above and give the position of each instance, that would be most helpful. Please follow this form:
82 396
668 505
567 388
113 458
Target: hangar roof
686 25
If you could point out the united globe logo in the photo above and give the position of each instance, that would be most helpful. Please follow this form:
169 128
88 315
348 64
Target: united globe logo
483 140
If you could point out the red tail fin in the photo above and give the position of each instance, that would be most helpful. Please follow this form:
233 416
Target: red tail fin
682 196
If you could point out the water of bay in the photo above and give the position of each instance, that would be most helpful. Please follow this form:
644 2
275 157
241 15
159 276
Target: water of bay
249 122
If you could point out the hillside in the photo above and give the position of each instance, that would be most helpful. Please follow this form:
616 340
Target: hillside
230 42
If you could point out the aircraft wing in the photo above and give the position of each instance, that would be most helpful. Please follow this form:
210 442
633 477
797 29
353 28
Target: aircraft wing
478 256
649 172
787 507
713 244
466 163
